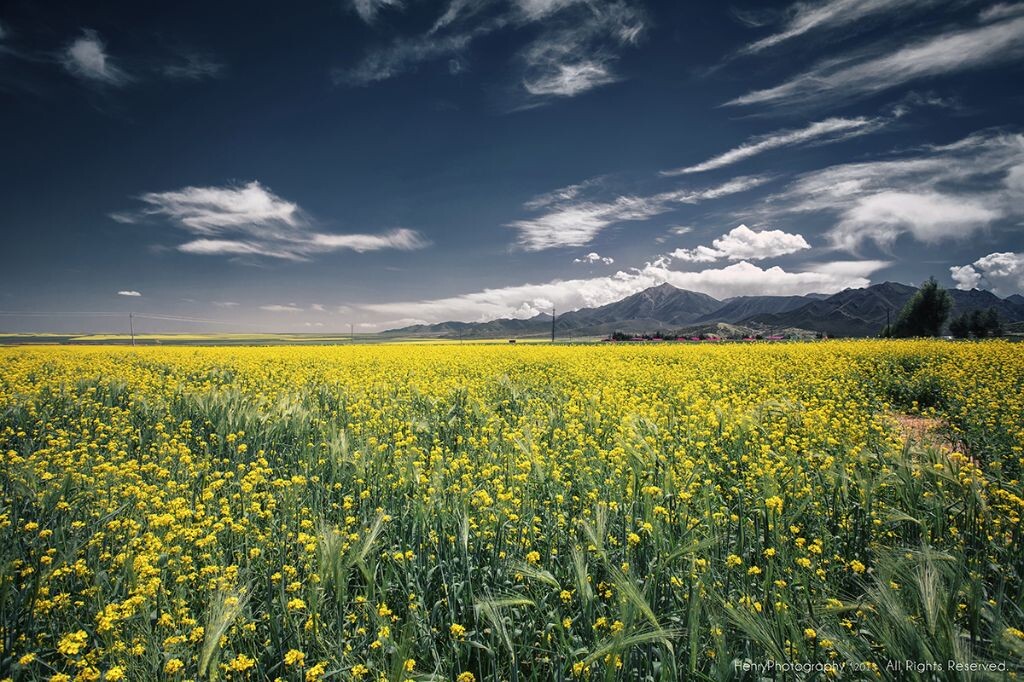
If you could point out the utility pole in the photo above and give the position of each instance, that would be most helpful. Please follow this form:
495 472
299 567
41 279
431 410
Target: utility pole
131 327
552 324
351 333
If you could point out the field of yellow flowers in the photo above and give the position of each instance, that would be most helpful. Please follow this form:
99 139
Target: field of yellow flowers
509 512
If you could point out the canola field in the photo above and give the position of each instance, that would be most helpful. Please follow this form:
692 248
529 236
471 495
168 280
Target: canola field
511 512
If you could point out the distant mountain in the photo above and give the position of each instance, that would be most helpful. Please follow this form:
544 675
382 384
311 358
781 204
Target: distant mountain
740 308
853 312
862 312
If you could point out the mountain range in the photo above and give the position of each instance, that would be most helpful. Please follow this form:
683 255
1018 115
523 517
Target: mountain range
851 312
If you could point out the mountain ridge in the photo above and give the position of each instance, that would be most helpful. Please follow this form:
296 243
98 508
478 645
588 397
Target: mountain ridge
851 312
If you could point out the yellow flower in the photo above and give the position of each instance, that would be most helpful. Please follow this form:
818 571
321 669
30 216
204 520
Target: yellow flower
409 665
71 644
733 560
533 557
115 674
465 677
810 633
457 631
294 657
241 663
857 567
173 666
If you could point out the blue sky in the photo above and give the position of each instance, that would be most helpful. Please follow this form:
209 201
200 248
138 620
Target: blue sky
378 163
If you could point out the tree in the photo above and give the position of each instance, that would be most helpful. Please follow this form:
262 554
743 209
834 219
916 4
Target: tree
977 324
960 327
993 325
925 313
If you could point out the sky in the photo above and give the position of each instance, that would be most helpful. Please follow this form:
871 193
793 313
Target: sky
370 164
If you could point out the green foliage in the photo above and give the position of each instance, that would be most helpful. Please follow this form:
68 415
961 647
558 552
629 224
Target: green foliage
924 314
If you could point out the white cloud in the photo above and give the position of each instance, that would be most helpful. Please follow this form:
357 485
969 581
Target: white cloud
528 300
594 257
868 73
275 308
831 129
313 324
538 9
317 307
569 80
576 55
251 220
1001 11
368 9
806 17
928 216
87 58
848 268
226 304
680 230
575 222
404 54
400 238
742 243
128 293
1002 273
934 193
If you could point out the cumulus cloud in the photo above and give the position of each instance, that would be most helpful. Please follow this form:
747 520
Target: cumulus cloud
128 292
594 257
828 130
1002 273
933 194
250 220
86 57
742 243
527 300
871 72
574 221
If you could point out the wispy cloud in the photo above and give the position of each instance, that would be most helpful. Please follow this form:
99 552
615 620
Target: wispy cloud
574 52
805 17
128 292
828 130
934 194
368 9
1002 273
874 71
1001 11
405 54
226 304
578 55
86 57
527 300
251 220
277 308
742 243
193 66
575 222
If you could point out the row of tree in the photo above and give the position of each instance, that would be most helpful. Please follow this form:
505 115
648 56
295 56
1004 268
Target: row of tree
927 311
